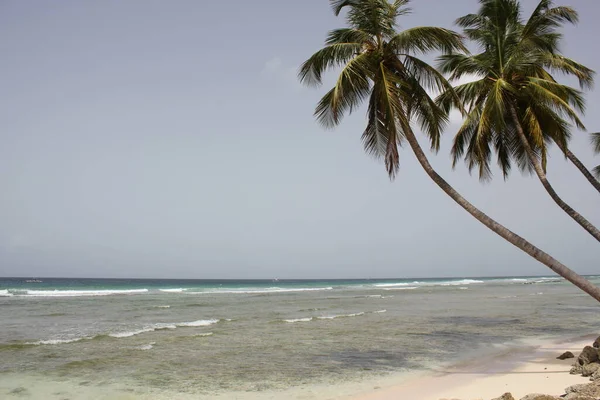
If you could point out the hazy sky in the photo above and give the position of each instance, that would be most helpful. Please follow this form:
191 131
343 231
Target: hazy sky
150 138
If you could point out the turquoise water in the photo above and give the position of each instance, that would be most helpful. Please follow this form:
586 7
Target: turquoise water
170 338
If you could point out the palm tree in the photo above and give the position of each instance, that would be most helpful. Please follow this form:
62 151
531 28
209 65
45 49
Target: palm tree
594 180
380 65
516 107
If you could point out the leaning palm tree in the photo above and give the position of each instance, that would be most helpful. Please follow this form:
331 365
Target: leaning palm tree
380 65
516 107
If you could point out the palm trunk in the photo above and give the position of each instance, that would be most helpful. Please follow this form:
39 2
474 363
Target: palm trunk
587 225
499 229
586 172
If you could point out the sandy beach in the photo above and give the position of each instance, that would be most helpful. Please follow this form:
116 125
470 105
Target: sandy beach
529 370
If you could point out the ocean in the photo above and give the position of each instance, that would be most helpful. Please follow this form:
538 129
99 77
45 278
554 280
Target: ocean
170 339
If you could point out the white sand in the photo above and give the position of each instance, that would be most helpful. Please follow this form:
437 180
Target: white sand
520 374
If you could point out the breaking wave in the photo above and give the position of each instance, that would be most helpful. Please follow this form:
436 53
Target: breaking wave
126 334
72 293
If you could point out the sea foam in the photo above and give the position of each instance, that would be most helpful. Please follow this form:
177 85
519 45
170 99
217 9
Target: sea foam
261 291
78 293
341 316
162 326
57 341
412 285
202 322
298 320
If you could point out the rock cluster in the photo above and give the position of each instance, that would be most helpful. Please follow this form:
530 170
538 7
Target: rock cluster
588 362
588 365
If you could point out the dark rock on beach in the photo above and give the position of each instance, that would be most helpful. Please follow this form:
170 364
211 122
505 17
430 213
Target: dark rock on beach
597 343
590 369
566 355
588 355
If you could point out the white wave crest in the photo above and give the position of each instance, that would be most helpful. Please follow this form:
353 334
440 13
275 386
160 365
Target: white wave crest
178 290
298 320
162 306
342 316
57 341
396 284
402 288
130 333
202 322
203 334
162 326
460 283
261 291
5 293
400 285
148 346
379 311
79 293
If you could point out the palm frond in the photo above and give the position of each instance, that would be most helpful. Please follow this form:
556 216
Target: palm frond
348 35
464 135
377 17
351 88
566 66
425 39
334 55
595 137
381 137
552 125
457 65
338 5
561 97
427 77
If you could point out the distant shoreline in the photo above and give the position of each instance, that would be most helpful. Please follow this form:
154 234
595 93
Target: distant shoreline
287 279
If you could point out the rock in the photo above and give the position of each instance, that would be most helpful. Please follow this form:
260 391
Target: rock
590 369
595 375
582 390
588 355
565 355
576 369
537 396
505 396
578 397
597 342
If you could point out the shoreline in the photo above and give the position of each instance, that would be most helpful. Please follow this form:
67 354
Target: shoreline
519 370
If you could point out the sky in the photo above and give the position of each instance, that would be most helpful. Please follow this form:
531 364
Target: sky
155 139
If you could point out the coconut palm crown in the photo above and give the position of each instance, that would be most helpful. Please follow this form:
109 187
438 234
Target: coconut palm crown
514 71
381 65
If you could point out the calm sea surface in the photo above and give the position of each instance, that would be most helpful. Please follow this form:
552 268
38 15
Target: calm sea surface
130 339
